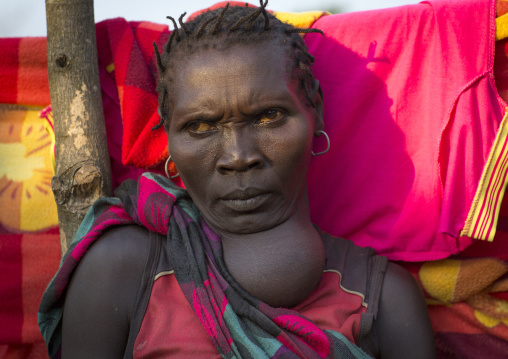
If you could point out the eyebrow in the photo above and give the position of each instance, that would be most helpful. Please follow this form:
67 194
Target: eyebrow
257 102
283 97
205 108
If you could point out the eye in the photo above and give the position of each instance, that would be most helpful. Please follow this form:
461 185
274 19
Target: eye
201 127
270 116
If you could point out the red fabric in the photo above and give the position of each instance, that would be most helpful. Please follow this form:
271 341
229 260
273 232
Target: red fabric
329 307
127 47
9 70
12 301
23 71
33 85
27 263
35 350
125 50
459 346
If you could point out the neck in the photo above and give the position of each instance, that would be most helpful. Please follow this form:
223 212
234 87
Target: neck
297 225
280 266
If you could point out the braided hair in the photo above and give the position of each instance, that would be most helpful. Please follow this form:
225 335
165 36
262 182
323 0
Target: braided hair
223 28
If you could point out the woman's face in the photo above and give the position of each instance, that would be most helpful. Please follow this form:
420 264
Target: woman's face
241 137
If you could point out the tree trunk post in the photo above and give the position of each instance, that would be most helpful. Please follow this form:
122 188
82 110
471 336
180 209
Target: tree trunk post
82 158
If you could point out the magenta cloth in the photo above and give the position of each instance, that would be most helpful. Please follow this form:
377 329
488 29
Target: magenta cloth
412 111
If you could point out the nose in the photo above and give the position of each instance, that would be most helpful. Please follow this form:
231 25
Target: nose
240 153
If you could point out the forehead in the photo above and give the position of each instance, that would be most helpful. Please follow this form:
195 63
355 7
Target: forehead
259 57
246 71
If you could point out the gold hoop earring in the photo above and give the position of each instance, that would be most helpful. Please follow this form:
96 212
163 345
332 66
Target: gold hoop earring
327 144
166 169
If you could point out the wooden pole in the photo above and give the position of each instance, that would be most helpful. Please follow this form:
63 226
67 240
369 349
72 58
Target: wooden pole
82 158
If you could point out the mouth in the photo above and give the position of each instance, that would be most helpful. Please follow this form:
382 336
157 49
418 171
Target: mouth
245 200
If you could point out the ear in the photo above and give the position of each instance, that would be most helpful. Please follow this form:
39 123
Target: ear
317 97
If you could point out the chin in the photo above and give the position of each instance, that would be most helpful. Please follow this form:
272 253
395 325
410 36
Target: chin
244 226
249 223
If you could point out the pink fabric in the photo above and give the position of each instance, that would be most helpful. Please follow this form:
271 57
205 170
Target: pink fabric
412 110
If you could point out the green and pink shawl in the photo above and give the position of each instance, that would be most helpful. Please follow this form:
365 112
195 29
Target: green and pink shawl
240 325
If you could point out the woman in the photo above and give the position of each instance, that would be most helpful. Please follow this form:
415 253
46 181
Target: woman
233 266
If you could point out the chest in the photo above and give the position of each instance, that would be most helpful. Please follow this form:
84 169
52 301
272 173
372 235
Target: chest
171 328
279 274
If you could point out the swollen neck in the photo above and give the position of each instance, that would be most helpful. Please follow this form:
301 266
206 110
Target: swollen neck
280 266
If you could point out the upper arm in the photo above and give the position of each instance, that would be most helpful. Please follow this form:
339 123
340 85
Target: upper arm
102 294
403 325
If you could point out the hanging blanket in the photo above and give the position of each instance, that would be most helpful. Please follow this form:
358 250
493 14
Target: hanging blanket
29 237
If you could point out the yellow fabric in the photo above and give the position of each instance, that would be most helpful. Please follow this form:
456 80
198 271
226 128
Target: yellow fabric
47 120
482 219
302 20
487 321
306 19
26 198
439 278
470 281
502 27
110 68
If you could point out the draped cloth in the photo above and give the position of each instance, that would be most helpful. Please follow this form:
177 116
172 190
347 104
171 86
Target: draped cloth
240 325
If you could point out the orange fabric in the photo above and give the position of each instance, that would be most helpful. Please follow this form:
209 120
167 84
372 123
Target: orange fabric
33 85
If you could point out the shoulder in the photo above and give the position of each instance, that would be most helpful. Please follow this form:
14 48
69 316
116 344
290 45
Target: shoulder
117 245
403 325
103 292
120 253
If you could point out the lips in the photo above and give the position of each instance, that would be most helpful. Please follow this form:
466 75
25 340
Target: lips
245 200
239 194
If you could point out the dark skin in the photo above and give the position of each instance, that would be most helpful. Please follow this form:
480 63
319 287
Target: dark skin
239 118
251 137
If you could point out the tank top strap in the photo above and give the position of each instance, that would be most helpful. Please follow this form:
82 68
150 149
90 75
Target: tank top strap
362 272
154 262
377 270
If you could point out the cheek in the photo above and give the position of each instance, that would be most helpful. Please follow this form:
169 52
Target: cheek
292 154
193 159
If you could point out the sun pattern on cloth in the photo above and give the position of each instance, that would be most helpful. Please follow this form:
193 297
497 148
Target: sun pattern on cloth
239 325
25 171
